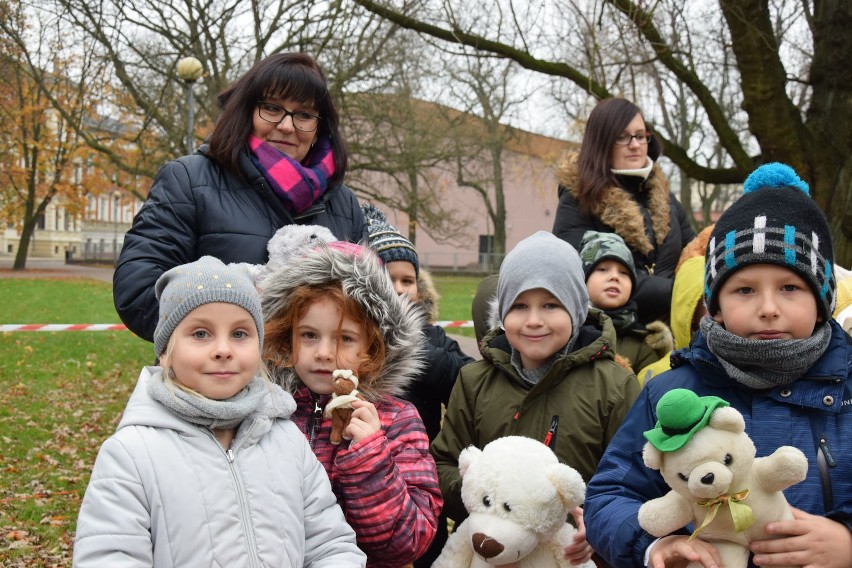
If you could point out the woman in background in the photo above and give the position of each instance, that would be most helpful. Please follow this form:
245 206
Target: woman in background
613 185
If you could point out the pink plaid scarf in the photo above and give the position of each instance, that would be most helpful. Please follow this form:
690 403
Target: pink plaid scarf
297 186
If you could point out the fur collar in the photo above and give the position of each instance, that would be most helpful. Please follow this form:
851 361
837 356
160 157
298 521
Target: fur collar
364 279
620 210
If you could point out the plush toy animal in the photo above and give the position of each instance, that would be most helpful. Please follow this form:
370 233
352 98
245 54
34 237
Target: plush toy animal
518 496
700 447
344 391
288 242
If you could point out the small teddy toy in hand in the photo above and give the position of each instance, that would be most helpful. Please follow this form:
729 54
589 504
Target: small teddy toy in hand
700 447
344 391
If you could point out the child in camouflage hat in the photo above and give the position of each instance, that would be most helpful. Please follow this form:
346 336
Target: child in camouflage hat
610 279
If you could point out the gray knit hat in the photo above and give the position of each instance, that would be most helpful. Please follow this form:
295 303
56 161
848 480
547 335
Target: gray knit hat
387 242
205 281
544 261
597 247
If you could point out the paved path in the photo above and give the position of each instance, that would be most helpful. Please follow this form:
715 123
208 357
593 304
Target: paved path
44 268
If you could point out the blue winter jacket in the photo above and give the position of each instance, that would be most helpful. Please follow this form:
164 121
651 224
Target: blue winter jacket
813 414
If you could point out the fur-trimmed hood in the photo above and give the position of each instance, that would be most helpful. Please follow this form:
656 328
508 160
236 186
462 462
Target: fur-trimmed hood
364 279
619 208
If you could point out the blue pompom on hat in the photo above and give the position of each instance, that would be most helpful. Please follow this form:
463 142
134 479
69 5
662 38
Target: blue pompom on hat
774 222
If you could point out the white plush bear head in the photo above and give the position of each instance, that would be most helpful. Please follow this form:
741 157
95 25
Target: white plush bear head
718 458
518 495
288 243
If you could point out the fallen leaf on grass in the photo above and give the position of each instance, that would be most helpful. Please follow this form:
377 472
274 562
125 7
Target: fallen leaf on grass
54 520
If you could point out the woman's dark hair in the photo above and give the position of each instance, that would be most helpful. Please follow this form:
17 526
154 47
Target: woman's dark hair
606 122
294 76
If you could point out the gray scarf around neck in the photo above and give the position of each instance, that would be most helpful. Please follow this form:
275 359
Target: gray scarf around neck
764 364
214 414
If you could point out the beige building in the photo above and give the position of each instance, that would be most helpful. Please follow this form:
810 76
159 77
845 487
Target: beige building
530 191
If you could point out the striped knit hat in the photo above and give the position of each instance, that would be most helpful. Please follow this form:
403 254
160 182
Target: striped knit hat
387 242
774 222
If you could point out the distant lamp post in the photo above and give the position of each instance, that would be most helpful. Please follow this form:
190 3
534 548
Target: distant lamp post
189 69
116 201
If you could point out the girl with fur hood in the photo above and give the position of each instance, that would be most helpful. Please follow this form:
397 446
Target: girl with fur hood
205 469
614 186
335 308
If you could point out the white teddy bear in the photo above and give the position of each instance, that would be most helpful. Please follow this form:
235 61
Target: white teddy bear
285 244
518 496
700 447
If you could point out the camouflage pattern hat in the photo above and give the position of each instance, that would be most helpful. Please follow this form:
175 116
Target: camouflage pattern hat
597 246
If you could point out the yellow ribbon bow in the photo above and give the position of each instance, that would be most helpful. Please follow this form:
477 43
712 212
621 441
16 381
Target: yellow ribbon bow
741 513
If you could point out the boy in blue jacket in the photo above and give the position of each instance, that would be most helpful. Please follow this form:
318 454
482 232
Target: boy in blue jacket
769 347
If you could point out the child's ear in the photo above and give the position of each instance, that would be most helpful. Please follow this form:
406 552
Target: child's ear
719 319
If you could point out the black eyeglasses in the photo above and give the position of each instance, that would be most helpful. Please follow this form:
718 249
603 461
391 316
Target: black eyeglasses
304 121
641 138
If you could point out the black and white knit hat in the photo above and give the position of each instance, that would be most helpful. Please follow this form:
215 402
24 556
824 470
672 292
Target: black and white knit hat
774 222
387 242
205 281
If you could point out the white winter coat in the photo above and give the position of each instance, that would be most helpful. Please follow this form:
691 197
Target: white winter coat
163 493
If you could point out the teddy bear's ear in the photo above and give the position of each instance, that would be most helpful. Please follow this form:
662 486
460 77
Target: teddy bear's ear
652 456
568 483
727 418
467 457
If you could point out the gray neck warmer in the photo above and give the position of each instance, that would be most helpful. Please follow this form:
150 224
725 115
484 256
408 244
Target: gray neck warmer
764 364
215 414
534 376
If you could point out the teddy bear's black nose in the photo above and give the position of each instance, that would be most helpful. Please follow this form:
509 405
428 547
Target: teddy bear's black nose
485 546
708 479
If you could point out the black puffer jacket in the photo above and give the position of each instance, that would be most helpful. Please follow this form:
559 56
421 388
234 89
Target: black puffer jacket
197 208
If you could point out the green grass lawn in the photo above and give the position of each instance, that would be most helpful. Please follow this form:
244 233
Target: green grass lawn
456 298
61 396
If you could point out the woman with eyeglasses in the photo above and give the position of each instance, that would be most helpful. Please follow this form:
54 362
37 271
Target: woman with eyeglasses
613 185
275 158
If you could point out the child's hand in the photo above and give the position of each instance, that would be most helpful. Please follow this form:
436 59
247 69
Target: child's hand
812 541
677 550
578 551
365 421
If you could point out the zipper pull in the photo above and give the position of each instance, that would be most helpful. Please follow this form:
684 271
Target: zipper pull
230 454
826 451
550 438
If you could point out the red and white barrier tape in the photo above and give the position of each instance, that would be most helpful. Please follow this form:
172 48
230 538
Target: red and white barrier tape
62 327
454 323
121 327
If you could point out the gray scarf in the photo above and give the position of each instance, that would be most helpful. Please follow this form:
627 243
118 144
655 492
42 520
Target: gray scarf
764 364
214 414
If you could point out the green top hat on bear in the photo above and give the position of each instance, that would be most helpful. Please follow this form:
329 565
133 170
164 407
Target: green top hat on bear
680 414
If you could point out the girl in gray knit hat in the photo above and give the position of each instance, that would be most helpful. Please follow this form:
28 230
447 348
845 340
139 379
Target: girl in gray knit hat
205 453
548 372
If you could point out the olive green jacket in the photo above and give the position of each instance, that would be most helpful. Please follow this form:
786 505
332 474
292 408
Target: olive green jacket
585 391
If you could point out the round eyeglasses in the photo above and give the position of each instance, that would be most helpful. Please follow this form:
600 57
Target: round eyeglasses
641 138
304 121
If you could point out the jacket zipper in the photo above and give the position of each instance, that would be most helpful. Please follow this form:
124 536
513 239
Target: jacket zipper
550 437
248 530
314 420
825 460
